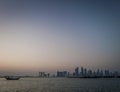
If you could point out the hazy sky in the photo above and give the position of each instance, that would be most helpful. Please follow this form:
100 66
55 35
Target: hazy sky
50 35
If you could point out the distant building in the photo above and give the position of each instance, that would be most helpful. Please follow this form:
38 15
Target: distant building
76 72
62 73
94 74
90 74
48 75
98 73
107 73
115 74
85 72
101 73
41 74
82 72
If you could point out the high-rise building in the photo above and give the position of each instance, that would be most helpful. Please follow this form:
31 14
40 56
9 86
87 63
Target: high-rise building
107 73
85 72
77 71
98 73
82 71
90 74
101 73
62 73
42 74
116 74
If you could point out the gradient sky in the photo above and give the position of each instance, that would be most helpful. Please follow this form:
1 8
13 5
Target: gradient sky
50 35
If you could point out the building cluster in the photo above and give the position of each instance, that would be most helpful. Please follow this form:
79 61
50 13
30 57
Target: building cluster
43 74
62 74
84 73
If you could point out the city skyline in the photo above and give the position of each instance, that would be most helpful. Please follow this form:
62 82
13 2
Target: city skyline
78 72
59 35
87 73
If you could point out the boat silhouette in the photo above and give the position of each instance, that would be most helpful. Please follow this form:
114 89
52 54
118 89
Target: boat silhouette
12 77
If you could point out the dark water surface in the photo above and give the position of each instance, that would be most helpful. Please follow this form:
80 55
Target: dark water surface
60 85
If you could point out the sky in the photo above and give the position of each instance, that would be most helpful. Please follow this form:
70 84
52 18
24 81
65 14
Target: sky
51 35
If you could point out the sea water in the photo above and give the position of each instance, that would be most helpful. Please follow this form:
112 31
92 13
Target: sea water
60 85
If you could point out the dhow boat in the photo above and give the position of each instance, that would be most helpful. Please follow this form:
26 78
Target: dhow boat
12 77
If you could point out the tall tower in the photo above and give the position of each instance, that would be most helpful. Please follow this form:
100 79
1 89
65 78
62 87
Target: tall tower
77 71
82 71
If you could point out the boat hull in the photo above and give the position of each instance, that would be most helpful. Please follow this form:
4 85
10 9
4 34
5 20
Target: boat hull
12 78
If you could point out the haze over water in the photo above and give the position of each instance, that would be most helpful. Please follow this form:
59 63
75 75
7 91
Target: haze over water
59 35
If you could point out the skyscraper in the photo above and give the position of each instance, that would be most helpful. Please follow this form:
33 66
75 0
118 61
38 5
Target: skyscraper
77 71
82 71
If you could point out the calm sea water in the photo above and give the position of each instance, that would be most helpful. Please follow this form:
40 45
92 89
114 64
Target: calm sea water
60 85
